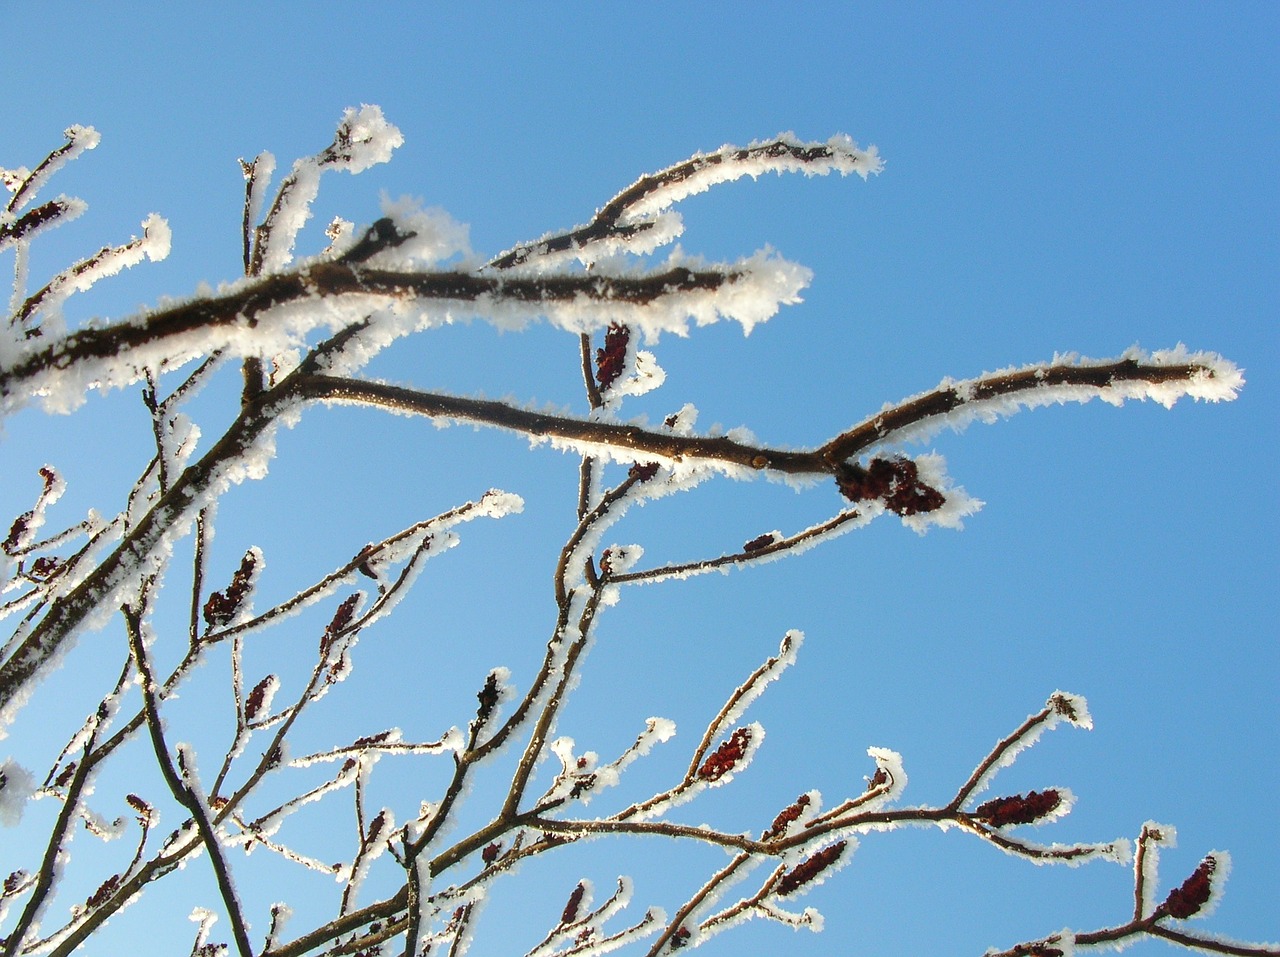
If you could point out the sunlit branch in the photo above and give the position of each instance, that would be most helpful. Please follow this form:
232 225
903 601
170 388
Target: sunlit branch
616 219
194 324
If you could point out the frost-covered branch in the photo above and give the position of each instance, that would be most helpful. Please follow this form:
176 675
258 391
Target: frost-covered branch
303 331
259 317
181 782
1163 376
631 221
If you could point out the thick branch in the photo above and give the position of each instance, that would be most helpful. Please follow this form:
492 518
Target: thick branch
197 322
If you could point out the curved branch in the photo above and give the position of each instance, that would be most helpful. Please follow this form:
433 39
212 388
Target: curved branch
620 218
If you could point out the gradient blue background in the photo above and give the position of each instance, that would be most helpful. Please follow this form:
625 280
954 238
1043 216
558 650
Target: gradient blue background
1057 179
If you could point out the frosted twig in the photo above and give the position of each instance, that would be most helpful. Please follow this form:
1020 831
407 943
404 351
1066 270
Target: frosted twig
79 139
737 703
112 353
633 211
106 262
1007 748
1199 374
676 927
764 548
182 789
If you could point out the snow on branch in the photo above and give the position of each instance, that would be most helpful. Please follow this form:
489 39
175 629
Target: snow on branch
364 138
319 322
154 245
630 221
259 317
1163 376
24 185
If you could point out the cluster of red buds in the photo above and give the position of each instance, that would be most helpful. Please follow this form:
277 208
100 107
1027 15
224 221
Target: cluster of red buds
491 852
223 605
612 359
13 883
44 568
809 868
896 482
759 542
879 779
1186 901
725 757
1065 705
1018 808
785 817
680 938
488 697
146 813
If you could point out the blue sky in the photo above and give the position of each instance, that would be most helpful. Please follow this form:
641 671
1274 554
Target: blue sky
1057 179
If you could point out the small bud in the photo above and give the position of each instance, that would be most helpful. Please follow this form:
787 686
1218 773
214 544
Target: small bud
582 785
491 852
376 826
42 569
16 531
680 938
13 883
1019 809
104 891
785 817
146 813
1045 949
365 568
760 541
809 868
642 473
488 697
575 901
371 739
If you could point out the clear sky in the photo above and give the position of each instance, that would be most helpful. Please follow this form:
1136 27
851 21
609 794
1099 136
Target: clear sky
1067 178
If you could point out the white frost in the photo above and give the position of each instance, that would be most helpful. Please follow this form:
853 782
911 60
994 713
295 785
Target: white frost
16 787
